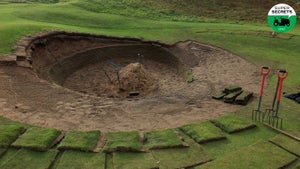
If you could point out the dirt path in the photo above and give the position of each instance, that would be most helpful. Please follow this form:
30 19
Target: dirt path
26 98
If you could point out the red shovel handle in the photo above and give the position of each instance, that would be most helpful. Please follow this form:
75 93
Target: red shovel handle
264 70
282 74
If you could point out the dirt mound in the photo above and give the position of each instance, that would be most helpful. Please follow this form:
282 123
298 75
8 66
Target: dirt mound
134 77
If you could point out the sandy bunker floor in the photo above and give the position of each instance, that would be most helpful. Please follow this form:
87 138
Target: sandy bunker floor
85 103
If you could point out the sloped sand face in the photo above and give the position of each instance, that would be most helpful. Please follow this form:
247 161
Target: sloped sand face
79 90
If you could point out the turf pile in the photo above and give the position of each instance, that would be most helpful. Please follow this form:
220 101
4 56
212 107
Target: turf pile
203 132
232 123
123 141
234 94
40 139
77 140
161 139
262 154
9 133
77 159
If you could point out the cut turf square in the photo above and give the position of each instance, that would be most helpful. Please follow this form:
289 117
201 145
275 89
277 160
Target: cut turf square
181 157
123 141
71 159
160 139
203 132
27 159
232 123
262 154
79 140
9 133
40 139
286 143
127 160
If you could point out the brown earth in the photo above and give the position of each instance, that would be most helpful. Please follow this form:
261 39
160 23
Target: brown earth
85 103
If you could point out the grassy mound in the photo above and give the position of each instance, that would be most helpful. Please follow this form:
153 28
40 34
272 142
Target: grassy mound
203 132
77 140
286 143
76 159
40 139
123 141
262 154
123 160
232 123
160 139
23 159
9 133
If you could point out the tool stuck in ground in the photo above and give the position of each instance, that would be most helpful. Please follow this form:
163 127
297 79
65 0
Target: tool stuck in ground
274 118
117 71
264 70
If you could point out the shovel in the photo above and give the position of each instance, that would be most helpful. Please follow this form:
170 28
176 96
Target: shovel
275 119
264 70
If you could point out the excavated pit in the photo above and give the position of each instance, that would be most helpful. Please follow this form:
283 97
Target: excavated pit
73 84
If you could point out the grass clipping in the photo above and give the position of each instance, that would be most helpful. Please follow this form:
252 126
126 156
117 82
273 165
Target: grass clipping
134 77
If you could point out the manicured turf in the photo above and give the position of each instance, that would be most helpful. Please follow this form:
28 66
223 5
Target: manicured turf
203 132
109 161
9 133
262 154
160 139
7 155
123 160
80 160
232 123
35 138
27 159
78 140
2 151
286 143
181 157
123 141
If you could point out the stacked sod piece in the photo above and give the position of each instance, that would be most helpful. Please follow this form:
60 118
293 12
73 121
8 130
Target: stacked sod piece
234 94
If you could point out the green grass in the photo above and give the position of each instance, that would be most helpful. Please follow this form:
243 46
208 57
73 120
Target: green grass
203 132
35 138
259 155
122 160
286 143
160 139
181 157
27 159
9 133
123 141
232 123
80 160
2 151
79 140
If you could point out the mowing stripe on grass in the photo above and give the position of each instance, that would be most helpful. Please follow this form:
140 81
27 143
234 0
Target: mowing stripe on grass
79 140
123 160
181 157
27 159
161 139
262 154
40 139
123 141
9 133
203 132
288 144
71 159
232 123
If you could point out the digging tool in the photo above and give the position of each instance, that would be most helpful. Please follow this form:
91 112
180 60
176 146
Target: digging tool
117 71
272 110
264 70
282 74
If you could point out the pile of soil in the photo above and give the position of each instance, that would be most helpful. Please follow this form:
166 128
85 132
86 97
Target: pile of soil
134 78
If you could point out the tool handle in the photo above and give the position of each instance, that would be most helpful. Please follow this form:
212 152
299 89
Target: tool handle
264 70
281 75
